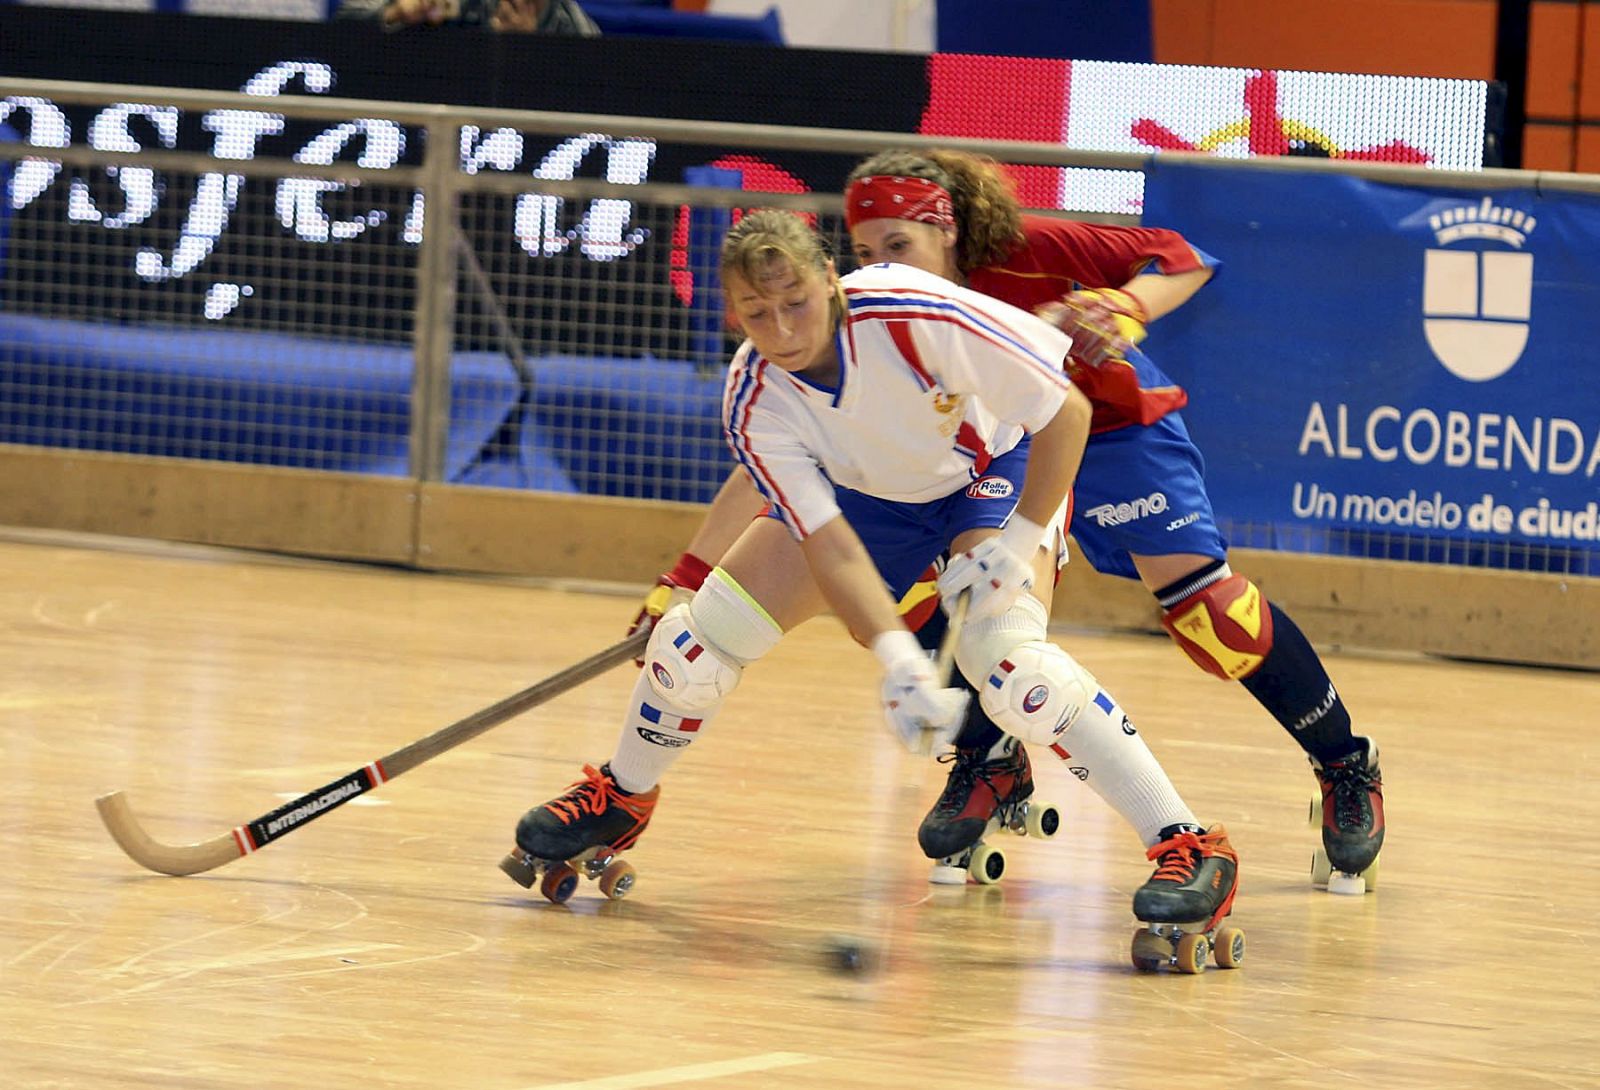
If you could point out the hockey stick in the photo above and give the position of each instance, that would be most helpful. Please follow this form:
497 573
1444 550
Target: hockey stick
944 663
244 839
855 954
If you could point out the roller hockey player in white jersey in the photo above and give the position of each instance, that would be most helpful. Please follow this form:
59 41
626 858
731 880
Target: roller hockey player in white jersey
886 418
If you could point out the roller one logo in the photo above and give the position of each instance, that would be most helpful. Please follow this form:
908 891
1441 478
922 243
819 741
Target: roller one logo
1036 698
990 488
1476 303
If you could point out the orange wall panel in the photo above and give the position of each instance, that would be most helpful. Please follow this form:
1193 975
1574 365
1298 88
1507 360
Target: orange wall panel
1553 38
1589 76
1442 38
1180 30
1588 161
1548 147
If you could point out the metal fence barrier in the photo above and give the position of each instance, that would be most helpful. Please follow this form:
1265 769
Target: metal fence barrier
455 305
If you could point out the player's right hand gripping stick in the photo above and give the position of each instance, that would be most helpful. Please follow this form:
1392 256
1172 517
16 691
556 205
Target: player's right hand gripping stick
996 570
923 715
672 587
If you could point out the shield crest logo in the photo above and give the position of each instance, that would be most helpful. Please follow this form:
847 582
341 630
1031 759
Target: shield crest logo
1476 304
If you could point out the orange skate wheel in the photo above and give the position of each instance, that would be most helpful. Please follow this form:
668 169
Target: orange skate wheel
1229 947
616 881
1150 951
559 882
1191 953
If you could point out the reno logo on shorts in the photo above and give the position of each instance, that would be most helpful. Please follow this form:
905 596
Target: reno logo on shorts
1476 302
1115 514
990 488
1035 699
663 676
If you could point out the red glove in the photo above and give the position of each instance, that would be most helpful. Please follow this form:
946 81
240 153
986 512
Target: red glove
677 585
1104 324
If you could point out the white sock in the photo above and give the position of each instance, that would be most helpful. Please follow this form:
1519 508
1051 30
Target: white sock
654 735
1103 749
656 730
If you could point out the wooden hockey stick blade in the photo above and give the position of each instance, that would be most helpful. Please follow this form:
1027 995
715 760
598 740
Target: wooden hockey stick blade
244 839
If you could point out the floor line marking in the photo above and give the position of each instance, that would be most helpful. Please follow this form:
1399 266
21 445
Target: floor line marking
667 1076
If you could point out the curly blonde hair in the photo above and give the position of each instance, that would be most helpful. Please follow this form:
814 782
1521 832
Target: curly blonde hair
988 214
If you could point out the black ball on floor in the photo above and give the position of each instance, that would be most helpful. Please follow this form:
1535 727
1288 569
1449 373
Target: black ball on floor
849 955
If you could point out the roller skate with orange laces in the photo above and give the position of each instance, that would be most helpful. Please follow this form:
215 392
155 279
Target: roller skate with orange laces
1185 901
582 832
1349 811
984 793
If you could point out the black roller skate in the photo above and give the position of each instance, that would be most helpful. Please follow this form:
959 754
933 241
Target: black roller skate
1349 810
583 831
982 795
1191 892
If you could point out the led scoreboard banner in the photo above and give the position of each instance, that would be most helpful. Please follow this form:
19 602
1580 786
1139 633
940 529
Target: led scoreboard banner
196 248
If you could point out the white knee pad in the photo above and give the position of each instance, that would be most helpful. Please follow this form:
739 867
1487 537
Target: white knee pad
983 642
1030 687
698 649
1036 691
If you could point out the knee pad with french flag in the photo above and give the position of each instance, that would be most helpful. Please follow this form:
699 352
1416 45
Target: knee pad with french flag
698 650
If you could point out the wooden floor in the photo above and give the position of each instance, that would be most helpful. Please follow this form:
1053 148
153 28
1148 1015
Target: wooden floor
381 946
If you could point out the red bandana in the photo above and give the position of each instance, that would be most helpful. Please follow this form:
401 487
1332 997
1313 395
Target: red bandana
890 196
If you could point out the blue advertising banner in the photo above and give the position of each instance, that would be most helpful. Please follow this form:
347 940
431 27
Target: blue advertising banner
1391 370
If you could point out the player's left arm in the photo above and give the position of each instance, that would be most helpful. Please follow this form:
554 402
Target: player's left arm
1011 362
1053 461
1159 294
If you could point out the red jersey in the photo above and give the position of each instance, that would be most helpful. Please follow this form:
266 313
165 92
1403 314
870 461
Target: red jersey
1060 256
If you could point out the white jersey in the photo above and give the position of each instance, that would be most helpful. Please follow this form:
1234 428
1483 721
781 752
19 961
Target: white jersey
935 380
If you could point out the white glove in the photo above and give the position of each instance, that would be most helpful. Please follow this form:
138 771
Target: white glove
921 714
996 570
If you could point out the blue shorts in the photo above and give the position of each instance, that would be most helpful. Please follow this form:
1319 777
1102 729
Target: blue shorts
904 538
1142 490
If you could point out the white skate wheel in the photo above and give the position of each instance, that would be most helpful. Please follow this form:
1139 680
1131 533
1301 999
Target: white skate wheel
1351 885
945 875
1321 869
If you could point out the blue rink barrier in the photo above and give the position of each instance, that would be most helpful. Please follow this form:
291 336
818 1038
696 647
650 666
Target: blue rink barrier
1391 371
640 428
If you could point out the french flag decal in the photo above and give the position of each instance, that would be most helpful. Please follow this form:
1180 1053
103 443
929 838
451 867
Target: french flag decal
660 718
693 651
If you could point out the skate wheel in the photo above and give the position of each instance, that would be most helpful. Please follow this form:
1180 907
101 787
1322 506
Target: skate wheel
1228 949
1043 821
559 882
1190 956
519 868
943 874
1371 876
1349 885
1314 814
616 881
1150 951
1321 869
988 864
